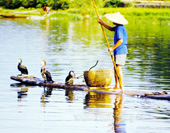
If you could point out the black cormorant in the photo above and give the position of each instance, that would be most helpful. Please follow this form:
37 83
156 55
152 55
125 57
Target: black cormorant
45 74
70 78
21 68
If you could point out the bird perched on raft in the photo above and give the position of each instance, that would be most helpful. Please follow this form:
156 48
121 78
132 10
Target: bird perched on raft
70 78
21 68
45 74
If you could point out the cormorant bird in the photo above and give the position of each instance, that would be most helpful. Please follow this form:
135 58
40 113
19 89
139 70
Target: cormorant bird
45 74
21 68
70 78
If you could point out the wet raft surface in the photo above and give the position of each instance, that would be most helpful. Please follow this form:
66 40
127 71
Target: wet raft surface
31 80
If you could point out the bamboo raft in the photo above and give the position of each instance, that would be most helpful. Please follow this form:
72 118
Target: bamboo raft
12 16
34 81
32 17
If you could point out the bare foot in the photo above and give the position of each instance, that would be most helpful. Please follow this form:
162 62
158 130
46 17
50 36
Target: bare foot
116 88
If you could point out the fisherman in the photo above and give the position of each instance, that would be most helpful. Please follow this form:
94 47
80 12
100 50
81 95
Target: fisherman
120 44
46 8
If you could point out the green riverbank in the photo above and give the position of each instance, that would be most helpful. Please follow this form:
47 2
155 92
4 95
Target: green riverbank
146 14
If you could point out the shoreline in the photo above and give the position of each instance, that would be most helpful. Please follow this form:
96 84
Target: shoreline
78 14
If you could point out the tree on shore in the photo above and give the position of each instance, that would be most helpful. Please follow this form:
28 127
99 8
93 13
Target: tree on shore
57 4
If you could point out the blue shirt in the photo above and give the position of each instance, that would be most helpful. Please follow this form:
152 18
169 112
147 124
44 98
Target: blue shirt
120 33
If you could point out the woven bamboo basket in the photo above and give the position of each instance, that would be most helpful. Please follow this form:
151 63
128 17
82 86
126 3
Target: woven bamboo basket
98 78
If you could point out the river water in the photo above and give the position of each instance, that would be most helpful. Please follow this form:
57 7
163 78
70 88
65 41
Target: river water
77 45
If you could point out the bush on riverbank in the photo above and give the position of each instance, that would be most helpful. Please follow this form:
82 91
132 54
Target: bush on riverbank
59 4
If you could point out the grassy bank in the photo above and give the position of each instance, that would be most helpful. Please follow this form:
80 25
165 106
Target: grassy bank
146 14
153 14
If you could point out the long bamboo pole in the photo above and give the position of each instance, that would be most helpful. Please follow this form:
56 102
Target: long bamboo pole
108 45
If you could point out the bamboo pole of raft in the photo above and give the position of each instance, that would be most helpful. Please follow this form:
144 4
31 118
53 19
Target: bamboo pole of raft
31 80
108 45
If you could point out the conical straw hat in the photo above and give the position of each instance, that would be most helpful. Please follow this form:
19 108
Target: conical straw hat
116 18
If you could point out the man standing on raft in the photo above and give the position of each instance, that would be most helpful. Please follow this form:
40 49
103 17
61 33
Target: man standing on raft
120 44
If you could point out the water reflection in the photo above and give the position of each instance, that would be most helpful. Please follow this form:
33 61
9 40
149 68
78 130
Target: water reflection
149 53
22 90
47 93
69 95
97 100
47 26
22 93
119 126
